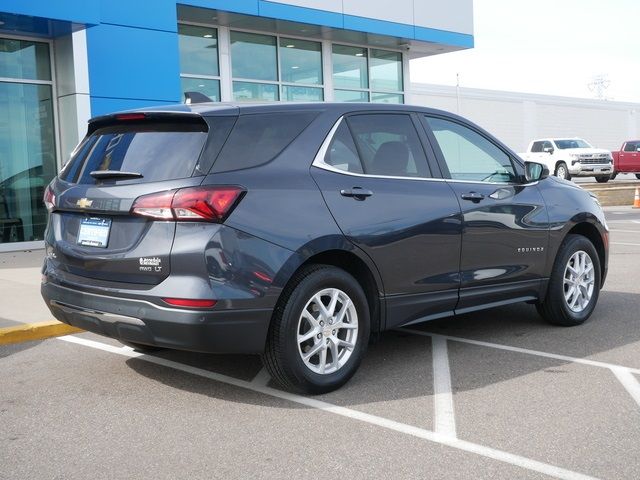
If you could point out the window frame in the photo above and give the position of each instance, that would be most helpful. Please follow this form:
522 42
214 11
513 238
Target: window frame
517 166
431 164
203 77
369 90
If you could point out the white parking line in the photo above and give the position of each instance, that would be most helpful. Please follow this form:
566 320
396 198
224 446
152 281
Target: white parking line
629 382
445 420
624 231
565 358
417 432
623 243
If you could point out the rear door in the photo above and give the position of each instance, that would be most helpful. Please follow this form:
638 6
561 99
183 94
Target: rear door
91 232
374 176
505 222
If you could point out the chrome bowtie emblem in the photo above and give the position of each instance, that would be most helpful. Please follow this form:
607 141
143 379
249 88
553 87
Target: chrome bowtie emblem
84 203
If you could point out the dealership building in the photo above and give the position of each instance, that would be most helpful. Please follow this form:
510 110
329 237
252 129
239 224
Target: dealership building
64 61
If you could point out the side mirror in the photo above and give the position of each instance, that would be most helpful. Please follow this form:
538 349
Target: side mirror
549 150
535 171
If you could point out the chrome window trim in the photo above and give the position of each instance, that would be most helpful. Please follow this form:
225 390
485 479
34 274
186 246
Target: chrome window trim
319 162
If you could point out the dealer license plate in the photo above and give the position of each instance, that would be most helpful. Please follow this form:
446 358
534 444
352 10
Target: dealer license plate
94 232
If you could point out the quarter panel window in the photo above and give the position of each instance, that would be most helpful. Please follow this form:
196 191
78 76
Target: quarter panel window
469 155
342 153
388 145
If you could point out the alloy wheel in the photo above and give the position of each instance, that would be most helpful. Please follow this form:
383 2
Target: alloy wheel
579 281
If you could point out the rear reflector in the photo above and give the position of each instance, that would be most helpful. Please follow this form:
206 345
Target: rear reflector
49 199
191 303
209 204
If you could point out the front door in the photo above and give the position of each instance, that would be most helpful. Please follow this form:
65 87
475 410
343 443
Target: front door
505 221
376 181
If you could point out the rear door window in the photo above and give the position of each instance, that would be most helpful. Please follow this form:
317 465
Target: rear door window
156 150
388 145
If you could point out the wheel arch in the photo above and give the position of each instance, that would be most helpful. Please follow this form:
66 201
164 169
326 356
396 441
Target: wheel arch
591 232
362 270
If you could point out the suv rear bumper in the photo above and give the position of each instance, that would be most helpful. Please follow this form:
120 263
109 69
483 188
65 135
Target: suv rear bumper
139 321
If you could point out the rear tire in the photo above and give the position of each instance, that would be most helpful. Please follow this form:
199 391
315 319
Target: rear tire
324 361
602 179
576 269
562 171
638 176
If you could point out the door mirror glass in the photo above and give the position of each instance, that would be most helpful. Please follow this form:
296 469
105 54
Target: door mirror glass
535 171
549 150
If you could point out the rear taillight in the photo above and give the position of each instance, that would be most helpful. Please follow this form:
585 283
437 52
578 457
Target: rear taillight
49 199
209 204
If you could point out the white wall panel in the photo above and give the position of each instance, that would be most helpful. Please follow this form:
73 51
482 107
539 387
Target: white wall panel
327 5
518 118
399 11
451 15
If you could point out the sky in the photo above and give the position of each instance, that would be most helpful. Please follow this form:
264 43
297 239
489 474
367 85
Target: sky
553 47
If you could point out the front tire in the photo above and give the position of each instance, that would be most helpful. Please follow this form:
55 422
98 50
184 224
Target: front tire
638 176
613 175
562 171
319 331
574 285
602 179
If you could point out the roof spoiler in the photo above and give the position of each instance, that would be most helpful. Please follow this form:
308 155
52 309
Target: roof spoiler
196 97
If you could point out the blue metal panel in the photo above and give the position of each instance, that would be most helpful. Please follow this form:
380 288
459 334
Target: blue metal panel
250 7
133 63
302 14
424 34
102 106
156 14
78 11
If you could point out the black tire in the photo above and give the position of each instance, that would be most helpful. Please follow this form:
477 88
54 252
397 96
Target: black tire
282 357
139 347
562 171
613 175
638 176
602 179
554 308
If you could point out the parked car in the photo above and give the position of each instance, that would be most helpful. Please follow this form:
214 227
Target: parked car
571 157
297 231
627 159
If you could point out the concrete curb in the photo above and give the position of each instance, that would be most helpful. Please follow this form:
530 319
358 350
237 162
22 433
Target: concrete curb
35 331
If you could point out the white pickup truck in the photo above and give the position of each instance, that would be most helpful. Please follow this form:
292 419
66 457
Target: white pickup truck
571 157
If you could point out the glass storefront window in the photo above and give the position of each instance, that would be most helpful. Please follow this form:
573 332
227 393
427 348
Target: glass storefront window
198 50
255 92
386 70
350 67
27 158
350 96
208 87
300 61
253 56
293 93
24 59
387 97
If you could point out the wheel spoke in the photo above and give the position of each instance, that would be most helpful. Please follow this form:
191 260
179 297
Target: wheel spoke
322 365
345 344
318 347
334 354
343 311
334 301
310 334
318 301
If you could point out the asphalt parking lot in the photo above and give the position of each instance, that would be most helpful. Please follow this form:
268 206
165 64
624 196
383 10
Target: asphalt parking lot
497 394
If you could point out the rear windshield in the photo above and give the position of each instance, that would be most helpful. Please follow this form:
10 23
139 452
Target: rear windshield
158 151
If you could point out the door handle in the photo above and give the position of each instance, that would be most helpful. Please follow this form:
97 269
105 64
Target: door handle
475 197
358 193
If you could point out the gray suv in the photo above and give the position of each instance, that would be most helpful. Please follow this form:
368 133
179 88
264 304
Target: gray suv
296 231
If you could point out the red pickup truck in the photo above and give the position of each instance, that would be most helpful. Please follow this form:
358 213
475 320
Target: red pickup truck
627 160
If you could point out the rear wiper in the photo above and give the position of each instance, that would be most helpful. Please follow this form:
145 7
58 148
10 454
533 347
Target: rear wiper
102 174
